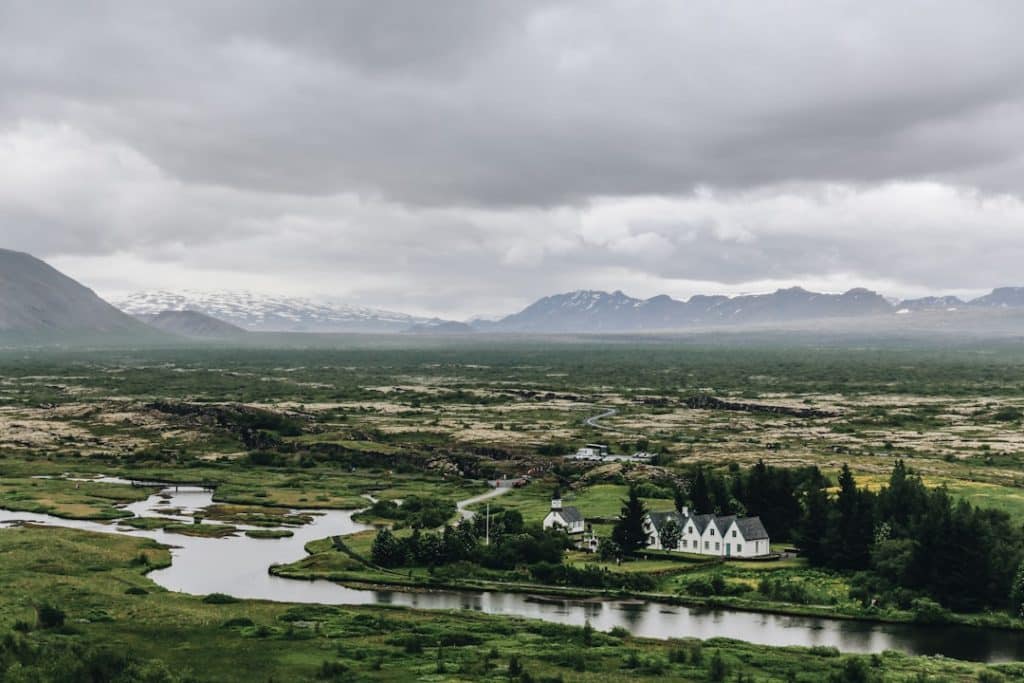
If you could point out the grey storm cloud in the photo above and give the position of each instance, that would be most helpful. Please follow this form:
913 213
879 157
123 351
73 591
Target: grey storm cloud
533 145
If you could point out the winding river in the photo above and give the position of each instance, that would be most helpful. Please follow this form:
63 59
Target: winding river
238 566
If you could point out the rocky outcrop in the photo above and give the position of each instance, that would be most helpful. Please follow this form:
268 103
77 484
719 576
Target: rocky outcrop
706 402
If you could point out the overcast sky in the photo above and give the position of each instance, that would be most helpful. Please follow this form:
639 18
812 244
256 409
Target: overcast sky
460 157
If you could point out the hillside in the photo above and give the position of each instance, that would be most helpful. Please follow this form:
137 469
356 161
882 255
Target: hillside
193 324
40 304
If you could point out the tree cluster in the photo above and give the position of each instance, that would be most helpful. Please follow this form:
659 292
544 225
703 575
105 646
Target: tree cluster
512 544
772 493
911 540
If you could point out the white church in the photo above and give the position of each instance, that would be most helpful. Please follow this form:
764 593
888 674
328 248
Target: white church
724 536
562 517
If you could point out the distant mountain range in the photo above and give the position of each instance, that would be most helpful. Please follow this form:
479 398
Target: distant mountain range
263 313
597 311
39 303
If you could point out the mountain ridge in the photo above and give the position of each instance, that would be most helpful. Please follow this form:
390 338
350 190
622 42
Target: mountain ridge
268 313
39 303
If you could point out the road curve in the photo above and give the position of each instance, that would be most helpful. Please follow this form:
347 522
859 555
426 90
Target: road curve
592 421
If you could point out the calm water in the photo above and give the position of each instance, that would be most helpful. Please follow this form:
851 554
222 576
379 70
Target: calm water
238 566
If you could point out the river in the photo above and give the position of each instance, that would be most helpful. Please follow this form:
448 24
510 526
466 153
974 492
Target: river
238 566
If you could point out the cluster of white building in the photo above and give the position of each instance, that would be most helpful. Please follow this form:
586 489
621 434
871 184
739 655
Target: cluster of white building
719 535
596 452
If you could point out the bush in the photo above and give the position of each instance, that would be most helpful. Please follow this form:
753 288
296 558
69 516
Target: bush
219 599
927 611
717 670
49 616
333 671
135 590
238 622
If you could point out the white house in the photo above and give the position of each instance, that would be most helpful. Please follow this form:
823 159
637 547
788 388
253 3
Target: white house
724 536
592 451
567 518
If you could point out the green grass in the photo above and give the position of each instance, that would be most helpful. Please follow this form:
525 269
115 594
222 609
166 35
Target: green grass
70 499
99 581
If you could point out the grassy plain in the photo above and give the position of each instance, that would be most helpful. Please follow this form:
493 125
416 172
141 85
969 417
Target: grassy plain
99 582
281 429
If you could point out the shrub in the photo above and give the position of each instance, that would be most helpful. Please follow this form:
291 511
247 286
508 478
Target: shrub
219 599
927 611
136 590
333 671
49 616
620 632
717 670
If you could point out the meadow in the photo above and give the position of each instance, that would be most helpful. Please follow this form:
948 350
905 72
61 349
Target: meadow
277 429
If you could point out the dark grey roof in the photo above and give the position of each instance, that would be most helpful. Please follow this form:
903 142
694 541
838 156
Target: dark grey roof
659 519
571 514
701 522
752 528
723 523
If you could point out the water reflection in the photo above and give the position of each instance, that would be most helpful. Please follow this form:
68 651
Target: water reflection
238 566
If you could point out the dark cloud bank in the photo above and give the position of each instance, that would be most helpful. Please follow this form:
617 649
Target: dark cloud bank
456 157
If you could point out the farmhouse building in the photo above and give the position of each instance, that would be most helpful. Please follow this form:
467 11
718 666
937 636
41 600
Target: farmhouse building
724 536
566 518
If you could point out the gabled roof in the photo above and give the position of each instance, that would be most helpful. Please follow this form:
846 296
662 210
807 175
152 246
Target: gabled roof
570 514
701 521
659 519
752 528
723 523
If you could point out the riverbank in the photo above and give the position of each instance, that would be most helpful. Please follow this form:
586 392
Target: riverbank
103 589
380 579
332 560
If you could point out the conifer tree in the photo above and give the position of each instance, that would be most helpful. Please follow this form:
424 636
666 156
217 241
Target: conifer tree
629 533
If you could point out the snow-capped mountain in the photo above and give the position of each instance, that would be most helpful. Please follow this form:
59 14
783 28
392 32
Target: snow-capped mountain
266 313
932 303
597 311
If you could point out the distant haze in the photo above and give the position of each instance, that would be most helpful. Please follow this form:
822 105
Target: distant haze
456 158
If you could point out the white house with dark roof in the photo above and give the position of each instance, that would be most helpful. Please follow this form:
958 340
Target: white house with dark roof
724 536
562 517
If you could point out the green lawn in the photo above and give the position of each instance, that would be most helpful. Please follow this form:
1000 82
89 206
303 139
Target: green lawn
98 581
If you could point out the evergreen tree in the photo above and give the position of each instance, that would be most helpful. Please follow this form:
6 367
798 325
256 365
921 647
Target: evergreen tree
814 527
386 550
670 535
1017 593
679 497
629 533
700 494
851 532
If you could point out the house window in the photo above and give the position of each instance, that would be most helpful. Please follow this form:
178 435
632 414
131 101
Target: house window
717 546
689 530
734 533
739 547
706 545
712 532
